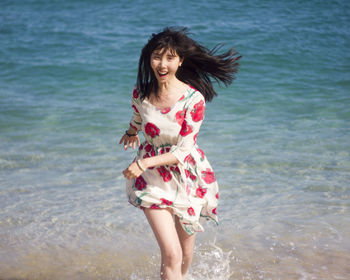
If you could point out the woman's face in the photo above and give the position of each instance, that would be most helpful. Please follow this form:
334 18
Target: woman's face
164 64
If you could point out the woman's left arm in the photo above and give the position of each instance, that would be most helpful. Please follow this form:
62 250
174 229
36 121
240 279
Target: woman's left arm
134 170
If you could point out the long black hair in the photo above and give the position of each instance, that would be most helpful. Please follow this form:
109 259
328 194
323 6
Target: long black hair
199 63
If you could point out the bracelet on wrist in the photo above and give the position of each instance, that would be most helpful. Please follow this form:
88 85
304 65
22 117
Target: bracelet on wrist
140 165
130 134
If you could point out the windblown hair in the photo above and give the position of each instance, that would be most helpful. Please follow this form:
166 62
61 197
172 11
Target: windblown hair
199 68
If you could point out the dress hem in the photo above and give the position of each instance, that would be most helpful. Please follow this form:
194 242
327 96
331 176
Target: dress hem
190 227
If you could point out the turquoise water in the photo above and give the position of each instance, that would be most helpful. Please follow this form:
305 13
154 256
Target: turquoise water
278 139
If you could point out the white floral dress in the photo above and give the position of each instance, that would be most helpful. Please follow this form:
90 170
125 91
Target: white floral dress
190 187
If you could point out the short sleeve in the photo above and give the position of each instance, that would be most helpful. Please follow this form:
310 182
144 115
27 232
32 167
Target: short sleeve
193 118
136 120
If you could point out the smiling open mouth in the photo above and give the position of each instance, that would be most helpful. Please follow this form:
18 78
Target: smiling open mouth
162 74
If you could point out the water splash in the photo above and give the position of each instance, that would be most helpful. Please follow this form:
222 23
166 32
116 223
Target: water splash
210 262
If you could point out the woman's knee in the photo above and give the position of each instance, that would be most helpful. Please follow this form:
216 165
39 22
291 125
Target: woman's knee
172 256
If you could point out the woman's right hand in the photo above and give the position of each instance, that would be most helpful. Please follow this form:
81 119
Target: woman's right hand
130 141
133 171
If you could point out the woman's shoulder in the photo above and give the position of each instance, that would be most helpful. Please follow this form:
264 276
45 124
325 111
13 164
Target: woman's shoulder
195 95
136 97
135 93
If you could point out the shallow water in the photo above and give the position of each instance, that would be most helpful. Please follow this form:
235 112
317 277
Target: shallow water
278 140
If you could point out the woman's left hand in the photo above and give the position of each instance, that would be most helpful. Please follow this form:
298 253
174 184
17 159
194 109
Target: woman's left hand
133 171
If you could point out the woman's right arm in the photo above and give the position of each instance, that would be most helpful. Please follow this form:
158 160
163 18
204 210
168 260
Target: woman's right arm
130 138
130 141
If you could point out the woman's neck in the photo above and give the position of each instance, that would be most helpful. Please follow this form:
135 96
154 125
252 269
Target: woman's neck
165 88
168 88
168 93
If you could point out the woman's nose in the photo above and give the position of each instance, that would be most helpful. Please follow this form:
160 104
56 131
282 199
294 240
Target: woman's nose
163 62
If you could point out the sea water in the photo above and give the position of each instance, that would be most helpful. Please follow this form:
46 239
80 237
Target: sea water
278 139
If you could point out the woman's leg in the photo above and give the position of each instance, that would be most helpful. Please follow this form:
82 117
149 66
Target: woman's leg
162 224
187 245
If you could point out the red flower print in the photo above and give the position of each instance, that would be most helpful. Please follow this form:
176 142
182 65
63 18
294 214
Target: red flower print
208 176
165 110
135 109
188 189
185 129
214 211
197 112
154 206
134 127
135 93
190 211
140 183
188 173
164 150
164 173
148 148
180 116
195 138
152 130
141 147
175 169
200 192
190 160
217 195
182 97
146 155
193 177
166 202
201 153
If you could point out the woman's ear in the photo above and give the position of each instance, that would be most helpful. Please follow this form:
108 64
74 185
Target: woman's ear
181 61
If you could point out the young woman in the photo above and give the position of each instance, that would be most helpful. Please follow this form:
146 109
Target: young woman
171 179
